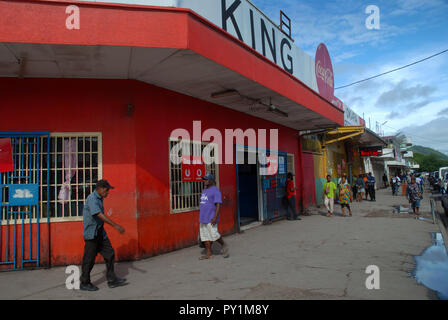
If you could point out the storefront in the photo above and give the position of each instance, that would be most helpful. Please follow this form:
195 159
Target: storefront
105 101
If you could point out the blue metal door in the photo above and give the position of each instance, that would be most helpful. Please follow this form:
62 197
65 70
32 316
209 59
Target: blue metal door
274 189
20 195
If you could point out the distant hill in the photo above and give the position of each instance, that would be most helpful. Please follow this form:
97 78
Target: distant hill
427 151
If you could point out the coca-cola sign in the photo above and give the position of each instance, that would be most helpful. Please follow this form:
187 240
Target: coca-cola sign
324 73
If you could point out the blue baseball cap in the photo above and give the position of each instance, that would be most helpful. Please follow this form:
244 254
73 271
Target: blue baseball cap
209 177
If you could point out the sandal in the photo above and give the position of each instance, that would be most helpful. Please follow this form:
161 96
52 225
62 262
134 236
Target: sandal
205 257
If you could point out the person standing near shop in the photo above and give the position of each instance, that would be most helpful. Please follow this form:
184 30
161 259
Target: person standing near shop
291 196
414 194
364 177
361 186
345 196
328 195
371 186
96 240
209 208
355 188
385 180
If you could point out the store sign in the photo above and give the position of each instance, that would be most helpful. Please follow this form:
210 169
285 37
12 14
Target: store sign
193 168
371 152
338 103
6 163
351 118
23 194
324 73
269 166
247 23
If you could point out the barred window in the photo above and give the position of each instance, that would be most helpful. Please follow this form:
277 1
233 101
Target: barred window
75 165
186 196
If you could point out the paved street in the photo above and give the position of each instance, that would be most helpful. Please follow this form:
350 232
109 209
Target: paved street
316 258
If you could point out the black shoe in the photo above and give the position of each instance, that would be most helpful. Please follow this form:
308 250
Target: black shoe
88 287
116 283
297 218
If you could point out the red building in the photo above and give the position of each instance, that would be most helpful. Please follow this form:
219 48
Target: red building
109 95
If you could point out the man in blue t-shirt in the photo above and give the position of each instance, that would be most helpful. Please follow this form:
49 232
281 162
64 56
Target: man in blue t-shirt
95 238
371 186
210 206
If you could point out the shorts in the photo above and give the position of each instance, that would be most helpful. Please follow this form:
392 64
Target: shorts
345 205
362 190
209 232
415 204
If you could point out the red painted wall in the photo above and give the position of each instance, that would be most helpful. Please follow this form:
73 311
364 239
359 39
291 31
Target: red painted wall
309 188
135 155
59 105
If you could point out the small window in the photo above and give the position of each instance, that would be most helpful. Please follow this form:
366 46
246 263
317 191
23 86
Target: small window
185 196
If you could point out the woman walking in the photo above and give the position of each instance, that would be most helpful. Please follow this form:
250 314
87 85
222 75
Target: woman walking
345 197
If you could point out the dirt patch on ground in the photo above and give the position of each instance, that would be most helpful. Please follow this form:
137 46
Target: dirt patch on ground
277 292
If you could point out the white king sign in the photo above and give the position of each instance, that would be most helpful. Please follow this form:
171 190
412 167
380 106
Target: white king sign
247 23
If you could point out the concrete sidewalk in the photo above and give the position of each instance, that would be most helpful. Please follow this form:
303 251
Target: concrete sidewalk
316 258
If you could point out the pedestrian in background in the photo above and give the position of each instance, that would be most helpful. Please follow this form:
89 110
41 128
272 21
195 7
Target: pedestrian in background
414 194
355 188
361 186
345 196
364 177
371 186
328 195
385 180
291 196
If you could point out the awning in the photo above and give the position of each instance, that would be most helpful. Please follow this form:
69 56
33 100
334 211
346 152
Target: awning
171 48
343 133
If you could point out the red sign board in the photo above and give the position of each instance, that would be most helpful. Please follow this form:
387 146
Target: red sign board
324 73
370 152
193 168
6 163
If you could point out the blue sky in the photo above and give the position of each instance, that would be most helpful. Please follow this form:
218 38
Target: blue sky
413 100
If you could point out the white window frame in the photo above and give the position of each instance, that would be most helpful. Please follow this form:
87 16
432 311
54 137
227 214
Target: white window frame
216 155
42 186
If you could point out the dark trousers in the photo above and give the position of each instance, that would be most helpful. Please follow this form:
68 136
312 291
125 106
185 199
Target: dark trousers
292 207
371 191
91 249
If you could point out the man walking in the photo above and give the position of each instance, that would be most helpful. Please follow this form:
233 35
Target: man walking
371 186
211 201
328 195
96 240
291 195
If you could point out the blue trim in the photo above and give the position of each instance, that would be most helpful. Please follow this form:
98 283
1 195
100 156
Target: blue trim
237 187
19 143
24 133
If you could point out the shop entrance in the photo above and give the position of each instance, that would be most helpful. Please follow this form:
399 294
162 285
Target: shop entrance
260 194
248 187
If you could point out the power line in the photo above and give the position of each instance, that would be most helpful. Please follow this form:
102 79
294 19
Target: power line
384 73
406 133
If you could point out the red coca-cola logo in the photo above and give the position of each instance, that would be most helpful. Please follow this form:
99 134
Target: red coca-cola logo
324 73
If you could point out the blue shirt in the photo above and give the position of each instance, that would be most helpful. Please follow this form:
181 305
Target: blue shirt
370 180
207 209
91 222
